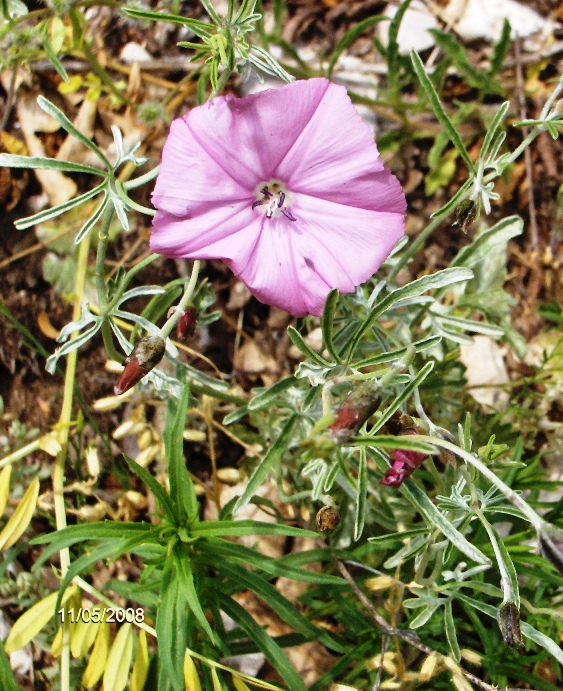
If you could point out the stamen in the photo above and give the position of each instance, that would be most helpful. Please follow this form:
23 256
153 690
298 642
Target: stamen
282 199
258 202
287 213
266 192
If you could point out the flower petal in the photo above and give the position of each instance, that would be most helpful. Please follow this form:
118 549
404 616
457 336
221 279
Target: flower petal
270 272
190 180
227 233
335 157
248 137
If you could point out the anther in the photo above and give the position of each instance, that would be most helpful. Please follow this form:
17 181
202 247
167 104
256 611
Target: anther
288 214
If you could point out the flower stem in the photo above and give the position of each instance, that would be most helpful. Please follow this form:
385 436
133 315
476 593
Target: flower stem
186 297
59 467
142 179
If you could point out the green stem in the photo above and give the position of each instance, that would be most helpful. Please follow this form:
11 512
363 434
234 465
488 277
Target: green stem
142 179
186 297
127 279
59 467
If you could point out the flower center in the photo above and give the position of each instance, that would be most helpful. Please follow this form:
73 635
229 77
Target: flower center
272 197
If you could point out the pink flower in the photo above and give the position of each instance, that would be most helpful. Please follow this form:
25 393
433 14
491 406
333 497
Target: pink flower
403 464
286 187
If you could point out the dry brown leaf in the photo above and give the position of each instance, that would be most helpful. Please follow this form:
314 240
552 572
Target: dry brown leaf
58 187
72 149
251 359
46 327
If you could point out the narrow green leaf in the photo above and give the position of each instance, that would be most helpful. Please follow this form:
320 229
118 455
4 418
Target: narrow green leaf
52 56
424 344
273 456
265 398
439 111
156 488
299 342
499 234
91 222
247 527
391 441
542 640
52 110
201 29
440 279
208 7
349 37
390 540
361 498
500 49
274 654
103 530
182 493
54 211
6 674
510 569
171 629
436 519
327 324
71 345
264 61
404 395
492 128
15 161
458 56
230 551
186 581
451 633
279 604
392 53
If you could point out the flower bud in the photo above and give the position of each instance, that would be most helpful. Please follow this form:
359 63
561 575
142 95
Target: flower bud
508 618
403 463
186 324
357 407
145 356
328 518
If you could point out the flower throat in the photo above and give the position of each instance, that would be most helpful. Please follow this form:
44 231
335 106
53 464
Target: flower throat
273 197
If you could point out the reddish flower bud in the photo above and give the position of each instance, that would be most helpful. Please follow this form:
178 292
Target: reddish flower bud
403 463
145 356
186 324
357 407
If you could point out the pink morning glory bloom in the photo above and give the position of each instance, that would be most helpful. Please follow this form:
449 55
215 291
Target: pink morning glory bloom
286 187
